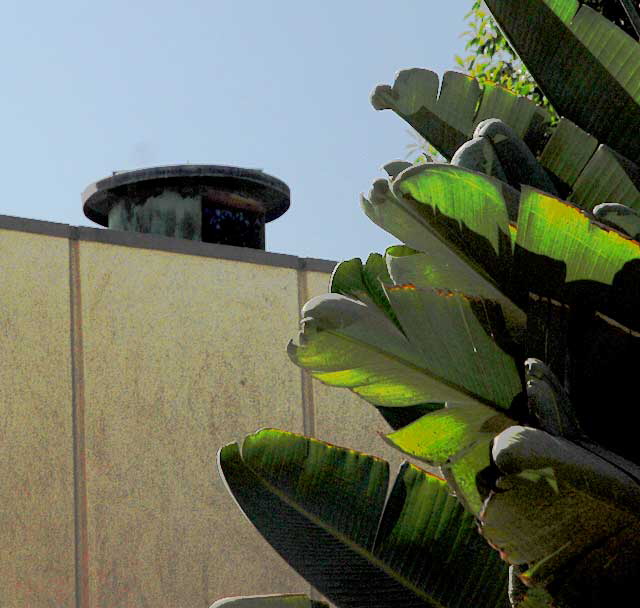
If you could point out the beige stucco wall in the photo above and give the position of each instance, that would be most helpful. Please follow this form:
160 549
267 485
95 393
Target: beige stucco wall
151 362
36 442
183 354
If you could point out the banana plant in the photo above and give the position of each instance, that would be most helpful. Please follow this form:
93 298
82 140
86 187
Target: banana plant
500 341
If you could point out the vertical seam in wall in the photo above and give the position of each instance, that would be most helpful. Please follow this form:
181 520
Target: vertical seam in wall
308 409
78 403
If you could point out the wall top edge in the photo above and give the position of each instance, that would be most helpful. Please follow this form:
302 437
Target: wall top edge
163 243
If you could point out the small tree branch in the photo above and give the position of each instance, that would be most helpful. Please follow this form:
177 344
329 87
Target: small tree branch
632 13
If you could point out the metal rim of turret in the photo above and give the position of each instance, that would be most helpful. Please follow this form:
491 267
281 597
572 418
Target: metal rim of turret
97 198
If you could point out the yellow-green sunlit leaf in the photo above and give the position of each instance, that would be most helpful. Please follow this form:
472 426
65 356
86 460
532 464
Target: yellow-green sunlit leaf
462 339
469 212
345 343
456 438
562 252
442 437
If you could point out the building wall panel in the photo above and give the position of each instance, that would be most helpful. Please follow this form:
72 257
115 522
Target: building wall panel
182 354
37 566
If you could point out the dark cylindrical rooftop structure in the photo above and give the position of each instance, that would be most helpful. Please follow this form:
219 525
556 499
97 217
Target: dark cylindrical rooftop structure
209 203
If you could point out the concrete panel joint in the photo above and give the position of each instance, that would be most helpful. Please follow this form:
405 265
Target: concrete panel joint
79 454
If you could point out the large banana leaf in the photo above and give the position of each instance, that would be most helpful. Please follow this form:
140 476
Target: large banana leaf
462 339
467 211
346 343
411 222
563 253
447 116
323 509
566 513
425 270
560 251
566 154
457 439
290 600
585 65
443 117
607 178
364 282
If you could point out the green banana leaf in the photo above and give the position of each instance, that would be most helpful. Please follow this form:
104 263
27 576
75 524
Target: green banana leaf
463 340
289 600
411 223
444 120
323 509
346 343
467 211
457 439
447 116
585 65
408 266
564 253
560 251
566 154
566 513
364 282
607 178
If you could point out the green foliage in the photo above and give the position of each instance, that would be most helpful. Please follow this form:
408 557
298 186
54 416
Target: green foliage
500 342
325 510
491 59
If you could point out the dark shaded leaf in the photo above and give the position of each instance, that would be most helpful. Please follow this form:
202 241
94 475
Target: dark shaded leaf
566 154
585 65
518 162
418 549
447 117
565 512
607 178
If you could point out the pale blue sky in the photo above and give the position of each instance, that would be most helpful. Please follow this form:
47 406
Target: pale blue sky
93 87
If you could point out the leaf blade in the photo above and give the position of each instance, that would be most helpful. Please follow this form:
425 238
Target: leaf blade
281 483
